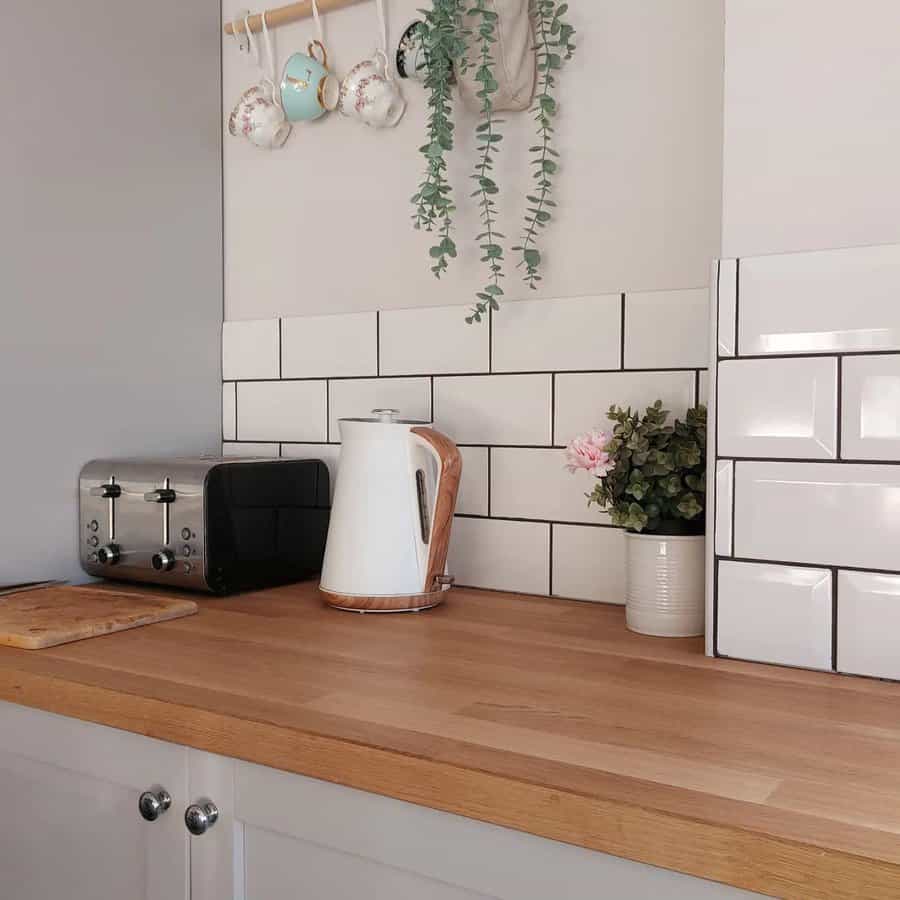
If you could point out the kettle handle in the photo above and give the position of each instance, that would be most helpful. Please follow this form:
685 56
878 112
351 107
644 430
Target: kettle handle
449 463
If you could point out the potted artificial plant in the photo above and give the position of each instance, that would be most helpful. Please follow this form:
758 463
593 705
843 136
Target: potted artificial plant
651 478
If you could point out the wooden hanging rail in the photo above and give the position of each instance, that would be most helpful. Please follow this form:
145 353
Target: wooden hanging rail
293 12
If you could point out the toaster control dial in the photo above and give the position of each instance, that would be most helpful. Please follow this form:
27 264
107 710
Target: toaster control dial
164 561
108 554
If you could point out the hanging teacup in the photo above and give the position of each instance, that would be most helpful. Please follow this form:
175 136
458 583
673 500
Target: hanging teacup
411 60
308 89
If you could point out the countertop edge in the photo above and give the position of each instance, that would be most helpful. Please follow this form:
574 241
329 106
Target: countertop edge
732 855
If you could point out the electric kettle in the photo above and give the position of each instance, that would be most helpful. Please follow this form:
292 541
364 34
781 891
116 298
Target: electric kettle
391 515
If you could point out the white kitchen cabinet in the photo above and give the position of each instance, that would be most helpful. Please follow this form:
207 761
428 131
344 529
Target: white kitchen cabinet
71 826
73 830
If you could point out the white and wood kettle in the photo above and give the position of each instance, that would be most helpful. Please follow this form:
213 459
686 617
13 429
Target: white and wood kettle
391 515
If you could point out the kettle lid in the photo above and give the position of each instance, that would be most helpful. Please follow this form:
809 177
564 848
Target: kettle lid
386 416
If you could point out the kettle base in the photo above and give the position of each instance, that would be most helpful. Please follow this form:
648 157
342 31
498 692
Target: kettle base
389 603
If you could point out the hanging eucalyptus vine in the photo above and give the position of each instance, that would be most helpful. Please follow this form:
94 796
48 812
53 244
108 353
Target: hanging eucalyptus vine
554 45
446 43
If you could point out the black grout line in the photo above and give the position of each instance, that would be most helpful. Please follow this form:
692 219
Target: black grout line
665 371
715 493
236 411
553 408
734 466
697 388
805 461
489 481
490 339
840 405
550 578
378 342
814 354
280 352
834 615
328 412
536 521
737 305
431 401
622 334
807 565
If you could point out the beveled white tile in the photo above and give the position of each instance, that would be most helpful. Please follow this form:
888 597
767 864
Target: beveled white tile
868 624
433 340
870 402
328 453
704 388
775 614
583 400
667 329
249 448
229 411
250 349
528 483
503 556
473 486
329 346
556 335
778 407
356 398
724 505
824 301
822 513
494 409
281 411
727 299
589 563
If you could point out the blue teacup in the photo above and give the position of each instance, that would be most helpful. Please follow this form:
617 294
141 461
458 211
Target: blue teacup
308 89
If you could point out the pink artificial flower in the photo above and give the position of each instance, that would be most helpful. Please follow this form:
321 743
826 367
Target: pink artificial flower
586 451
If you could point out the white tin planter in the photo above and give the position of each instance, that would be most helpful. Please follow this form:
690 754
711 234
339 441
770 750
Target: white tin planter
664 594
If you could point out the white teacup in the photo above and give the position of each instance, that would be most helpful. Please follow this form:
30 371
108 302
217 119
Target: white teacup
370 95
259 119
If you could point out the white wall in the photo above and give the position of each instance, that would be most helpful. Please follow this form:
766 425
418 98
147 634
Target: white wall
323 225
110 229
812 125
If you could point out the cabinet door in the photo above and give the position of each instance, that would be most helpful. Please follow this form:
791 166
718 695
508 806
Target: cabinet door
72 827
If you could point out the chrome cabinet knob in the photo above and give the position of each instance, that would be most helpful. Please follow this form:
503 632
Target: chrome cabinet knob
201 816
153 803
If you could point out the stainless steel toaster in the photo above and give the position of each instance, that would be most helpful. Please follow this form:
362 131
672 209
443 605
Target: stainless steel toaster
208 524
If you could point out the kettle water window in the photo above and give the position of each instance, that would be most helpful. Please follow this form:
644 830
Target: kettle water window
423 505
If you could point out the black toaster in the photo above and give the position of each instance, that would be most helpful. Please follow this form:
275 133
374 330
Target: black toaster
207 524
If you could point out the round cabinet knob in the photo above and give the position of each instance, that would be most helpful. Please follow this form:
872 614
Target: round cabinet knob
108 554
164 561
200 817
153 803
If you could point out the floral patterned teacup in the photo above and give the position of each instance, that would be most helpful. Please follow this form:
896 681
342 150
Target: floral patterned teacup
369 94
259 119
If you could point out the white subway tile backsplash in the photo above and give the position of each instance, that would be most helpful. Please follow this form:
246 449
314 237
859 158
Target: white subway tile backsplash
824 513
724 500
528 483
432 340
582 400
556 335
870 417
473 486
703 393
778 408
667 329
356 398
250 349
500 555
229 411
825 301
328 453
494 409
775 614
329 346
868 624
281 411
727 313
589 563
249 448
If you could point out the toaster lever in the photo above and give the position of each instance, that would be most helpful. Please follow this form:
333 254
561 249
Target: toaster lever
160 495
107 491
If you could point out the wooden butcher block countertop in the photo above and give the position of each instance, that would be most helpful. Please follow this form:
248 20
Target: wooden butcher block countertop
541 715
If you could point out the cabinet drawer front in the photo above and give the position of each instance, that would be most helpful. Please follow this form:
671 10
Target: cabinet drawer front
775 614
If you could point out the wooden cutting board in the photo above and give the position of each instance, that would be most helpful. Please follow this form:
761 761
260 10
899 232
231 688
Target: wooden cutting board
56 615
